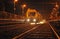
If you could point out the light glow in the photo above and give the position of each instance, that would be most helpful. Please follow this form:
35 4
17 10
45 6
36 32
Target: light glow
32 23
37 23
15 0
24 5
34 20
28 20
42 22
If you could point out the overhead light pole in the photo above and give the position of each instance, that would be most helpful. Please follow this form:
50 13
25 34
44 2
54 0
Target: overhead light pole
14 5
23 7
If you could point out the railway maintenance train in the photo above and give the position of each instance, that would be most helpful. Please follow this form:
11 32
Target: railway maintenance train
34 17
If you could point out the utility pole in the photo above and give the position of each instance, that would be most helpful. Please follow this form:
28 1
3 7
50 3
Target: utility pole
23 8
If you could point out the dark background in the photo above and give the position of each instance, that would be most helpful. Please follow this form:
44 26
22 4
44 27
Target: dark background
43 6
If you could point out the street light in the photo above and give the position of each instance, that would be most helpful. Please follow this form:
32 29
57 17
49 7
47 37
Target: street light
14 5
23 6
57 5
15 0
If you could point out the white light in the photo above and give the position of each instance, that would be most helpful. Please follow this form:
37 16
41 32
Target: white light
28 20
32 23
42 22
37 23
34 20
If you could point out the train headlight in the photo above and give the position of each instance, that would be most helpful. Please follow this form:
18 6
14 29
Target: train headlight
28 20
34 20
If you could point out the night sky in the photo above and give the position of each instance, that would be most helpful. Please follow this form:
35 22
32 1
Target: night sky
43 6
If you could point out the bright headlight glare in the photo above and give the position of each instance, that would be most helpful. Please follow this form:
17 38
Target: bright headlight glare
37 23
28 20
42 22
32 23
34 20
